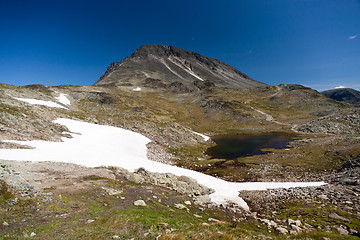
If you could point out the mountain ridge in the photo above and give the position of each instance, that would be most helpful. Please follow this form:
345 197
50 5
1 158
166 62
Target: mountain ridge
171 64
347 95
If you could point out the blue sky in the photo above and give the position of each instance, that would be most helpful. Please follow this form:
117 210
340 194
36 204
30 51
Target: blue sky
315 43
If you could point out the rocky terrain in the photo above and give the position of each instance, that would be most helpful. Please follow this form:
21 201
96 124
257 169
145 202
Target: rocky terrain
159 65
46 200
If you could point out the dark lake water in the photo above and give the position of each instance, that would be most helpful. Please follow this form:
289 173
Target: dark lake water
234 146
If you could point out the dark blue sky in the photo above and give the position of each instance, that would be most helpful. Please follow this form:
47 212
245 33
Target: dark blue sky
315 43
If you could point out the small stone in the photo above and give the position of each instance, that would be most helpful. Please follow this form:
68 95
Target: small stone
180 206
90 221
298 223
213 220
290 221
32 234
202 200
197 216
112 192
163 225
187 202
205 224
295 228
338 217
5 224
273 224
324 197
264 220
282 230
342 230
140 203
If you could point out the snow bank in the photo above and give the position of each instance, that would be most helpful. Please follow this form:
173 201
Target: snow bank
206 138
40 102
63 98
97 145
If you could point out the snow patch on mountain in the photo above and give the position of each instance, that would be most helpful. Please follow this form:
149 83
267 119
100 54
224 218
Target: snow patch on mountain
40 102
63 98
206 138
137 89
181 65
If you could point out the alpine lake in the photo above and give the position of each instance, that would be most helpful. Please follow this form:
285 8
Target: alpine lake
232 146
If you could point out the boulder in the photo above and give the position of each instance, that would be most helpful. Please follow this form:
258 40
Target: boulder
140 203
282 230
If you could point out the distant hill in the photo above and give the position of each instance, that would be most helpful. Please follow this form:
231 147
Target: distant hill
348 95
159 64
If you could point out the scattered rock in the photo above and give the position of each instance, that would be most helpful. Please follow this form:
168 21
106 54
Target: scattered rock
338 217
295 228
342 230
282 230
202 200
324 197
187 202
197 216
140 203
298 223
32 234
180 206
112 192
90 221
290 221
354 232
273 224
5 224
181 184
213 220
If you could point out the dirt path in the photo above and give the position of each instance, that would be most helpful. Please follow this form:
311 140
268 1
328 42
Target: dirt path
268 117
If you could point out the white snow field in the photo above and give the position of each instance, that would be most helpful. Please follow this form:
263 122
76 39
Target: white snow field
137 89
206 138
62 98
40 102
98 145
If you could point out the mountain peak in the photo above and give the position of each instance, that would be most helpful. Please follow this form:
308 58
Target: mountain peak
171 64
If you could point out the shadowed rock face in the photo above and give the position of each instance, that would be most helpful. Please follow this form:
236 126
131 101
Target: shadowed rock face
347 95
171 64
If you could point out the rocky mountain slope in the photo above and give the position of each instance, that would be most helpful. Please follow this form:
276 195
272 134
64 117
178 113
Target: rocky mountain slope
347 95
162 65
